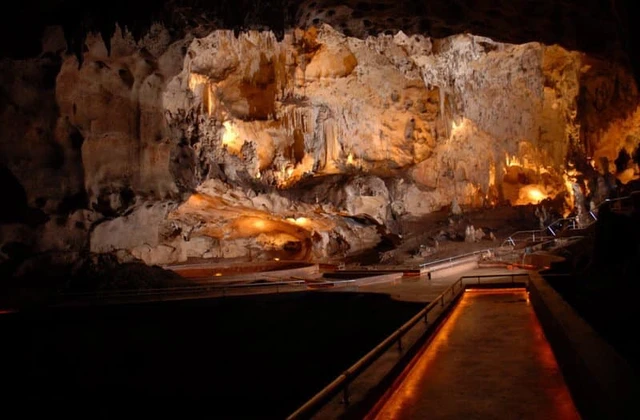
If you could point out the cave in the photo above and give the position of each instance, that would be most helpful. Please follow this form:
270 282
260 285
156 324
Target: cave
195 118
158 133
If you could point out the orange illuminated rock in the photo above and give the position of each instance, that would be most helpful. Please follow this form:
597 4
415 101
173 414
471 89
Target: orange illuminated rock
221 144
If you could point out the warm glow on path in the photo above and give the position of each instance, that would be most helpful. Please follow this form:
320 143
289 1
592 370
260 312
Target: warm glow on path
489 360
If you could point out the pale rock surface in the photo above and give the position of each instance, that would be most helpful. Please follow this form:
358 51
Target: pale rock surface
225 146
143 227
200 246
114 102
165 253
368 196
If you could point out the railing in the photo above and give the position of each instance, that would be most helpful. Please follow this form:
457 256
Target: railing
571 221
618 201
343 381
457 257
529 235
541 234
483 276
555 241
208 289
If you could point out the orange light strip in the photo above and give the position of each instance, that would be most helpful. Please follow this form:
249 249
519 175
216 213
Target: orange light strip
408 389
404 390
472 289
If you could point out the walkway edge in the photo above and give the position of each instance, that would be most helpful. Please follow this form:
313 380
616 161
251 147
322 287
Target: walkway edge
601 382
369 387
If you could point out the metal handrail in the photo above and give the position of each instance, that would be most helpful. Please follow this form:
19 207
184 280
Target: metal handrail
573 221
532 232
619 202
511 240
542 232
626 197
550 226
481 276
202 288
342 382
187 289
456 257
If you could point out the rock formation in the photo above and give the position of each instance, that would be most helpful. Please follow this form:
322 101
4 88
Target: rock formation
310 144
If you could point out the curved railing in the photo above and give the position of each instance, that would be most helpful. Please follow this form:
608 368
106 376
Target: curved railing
537 235
526 235
455 258
512 276
618 201
343 381
570 223
184 290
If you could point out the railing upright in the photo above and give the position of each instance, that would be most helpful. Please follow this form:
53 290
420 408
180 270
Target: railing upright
345 380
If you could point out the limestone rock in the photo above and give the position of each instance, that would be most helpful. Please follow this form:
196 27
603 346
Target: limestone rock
251 145
368 196
140 228
334 63
161 254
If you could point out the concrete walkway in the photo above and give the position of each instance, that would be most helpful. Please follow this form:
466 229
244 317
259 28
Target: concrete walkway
490 360
424 289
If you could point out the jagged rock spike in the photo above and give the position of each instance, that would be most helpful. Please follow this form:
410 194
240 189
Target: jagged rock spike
106 34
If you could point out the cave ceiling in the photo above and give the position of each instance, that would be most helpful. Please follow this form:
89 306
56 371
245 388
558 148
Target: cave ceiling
594 26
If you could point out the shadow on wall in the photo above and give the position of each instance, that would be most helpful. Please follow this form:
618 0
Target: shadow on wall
15 208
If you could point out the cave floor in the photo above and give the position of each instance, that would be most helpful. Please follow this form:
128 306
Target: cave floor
501 221
425 290
489 360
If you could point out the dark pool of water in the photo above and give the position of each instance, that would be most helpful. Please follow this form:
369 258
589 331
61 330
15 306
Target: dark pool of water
241 357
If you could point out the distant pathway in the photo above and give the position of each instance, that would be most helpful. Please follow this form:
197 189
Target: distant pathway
423 289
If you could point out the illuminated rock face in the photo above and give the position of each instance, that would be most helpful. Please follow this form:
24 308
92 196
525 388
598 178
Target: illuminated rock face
226 146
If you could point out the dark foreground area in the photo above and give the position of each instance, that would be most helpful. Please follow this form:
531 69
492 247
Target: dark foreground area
600 279
241 357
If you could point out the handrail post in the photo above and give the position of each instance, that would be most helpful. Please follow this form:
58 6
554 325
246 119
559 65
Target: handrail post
345 394
340 386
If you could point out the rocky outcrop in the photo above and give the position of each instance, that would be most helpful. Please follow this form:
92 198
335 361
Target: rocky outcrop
307 146
114 103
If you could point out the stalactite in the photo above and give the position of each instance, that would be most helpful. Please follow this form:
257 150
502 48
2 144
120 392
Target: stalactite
74 36
106 31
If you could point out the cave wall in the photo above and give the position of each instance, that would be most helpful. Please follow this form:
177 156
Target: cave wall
306 143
